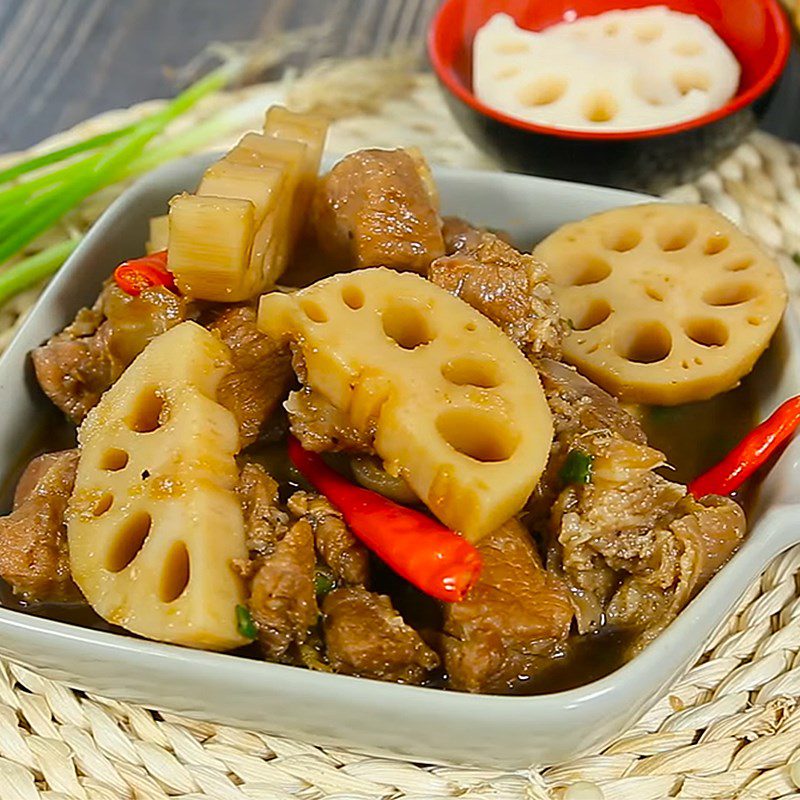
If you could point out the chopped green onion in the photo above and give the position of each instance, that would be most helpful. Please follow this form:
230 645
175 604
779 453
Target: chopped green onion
577 468
62 153
796 258
31 270
323 582
244 622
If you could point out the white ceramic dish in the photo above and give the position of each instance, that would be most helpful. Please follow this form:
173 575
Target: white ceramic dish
416 723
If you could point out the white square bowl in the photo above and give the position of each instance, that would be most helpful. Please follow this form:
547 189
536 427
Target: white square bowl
411 722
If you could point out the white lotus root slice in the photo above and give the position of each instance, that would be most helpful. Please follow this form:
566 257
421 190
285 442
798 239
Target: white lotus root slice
669 303
455 407
154 523
635 69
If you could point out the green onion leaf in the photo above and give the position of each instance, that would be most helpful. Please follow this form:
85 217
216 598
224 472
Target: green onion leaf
577 468
323 582
31 270
244 622
62 153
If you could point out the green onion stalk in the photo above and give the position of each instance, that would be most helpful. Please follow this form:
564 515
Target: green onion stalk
59 180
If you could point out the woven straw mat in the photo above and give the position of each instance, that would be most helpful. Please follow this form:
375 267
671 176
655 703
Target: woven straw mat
730 728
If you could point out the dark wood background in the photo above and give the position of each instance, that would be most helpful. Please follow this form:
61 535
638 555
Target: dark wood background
64 60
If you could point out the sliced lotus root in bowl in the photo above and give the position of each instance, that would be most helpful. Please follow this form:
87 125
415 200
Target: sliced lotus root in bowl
668 303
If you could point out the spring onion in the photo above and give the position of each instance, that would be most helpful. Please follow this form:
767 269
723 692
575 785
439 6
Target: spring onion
244 622
577 468
36 268
31 207
61 154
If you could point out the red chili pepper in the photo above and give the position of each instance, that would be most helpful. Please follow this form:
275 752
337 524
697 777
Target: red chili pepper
753 451
138 274
435 559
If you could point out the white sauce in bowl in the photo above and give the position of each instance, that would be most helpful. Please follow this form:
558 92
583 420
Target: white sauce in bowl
619 71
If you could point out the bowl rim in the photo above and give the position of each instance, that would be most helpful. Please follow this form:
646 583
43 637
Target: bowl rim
444 72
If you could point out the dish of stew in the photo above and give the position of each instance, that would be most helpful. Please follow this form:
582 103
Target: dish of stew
321 424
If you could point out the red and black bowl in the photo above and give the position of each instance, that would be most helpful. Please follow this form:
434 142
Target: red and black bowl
757 31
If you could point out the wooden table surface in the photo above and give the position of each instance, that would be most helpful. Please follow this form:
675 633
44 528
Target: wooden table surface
64 60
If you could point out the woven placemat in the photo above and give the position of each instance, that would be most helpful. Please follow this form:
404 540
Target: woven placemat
730 728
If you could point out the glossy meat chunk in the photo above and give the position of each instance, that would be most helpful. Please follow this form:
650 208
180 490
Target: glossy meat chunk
508 287
34 557
365 636
282 600
265 522
77 365
321 427
577 406
512 619
261 374
378 208
630 521
689 548
338 548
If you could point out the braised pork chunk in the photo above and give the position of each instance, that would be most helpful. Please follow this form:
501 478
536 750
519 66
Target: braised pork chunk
623 523
378 208
77 365
337 547
261 374
511 621
508 287
282 599
34 557
365 636
321 427
265 522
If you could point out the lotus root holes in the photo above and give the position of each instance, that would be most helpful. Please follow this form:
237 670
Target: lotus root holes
114 459
600 106
543 92
175 573
353 297
707 332
477 371
129 541
644 342
740 264
621 239
103 504
729 294
478 434
688 48
716 244
407 325
314 311
587 269
648 32
593 313
149 411
511 47
687 80
676 236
